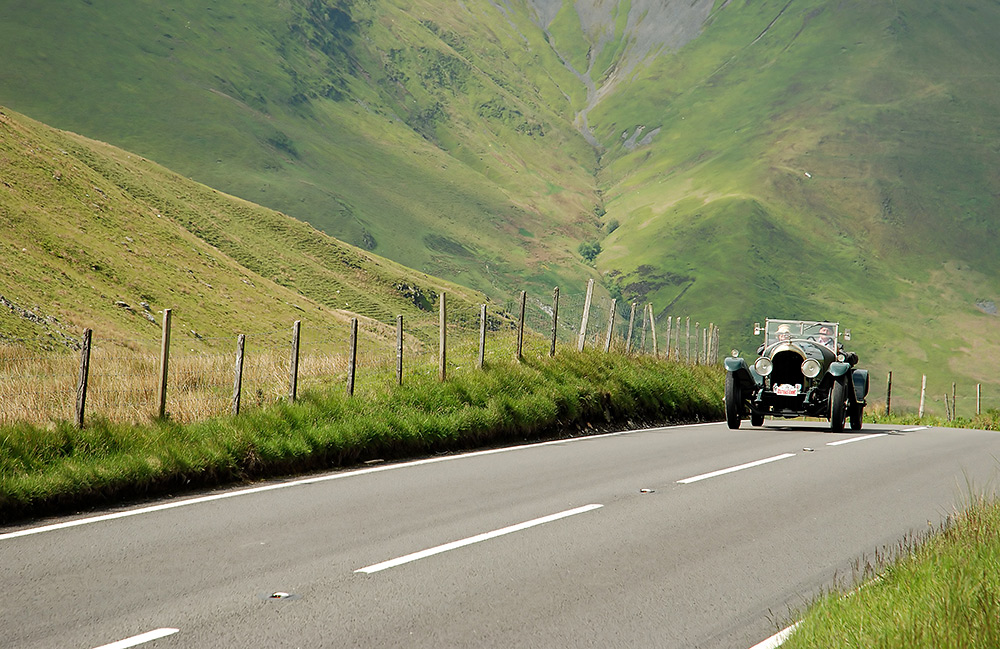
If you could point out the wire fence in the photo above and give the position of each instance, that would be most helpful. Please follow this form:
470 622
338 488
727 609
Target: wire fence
122 379
928 395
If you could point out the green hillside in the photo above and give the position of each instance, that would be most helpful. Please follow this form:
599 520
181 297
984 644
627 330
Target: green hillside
412 132
93 236
743 160
821 161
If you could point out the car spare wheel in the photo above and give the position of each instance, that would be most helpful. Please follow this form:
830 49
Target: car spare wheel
856 413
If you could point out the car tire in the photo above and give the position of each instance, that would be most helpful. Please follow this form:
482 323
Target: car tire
856 415
756 420
734 401
838 405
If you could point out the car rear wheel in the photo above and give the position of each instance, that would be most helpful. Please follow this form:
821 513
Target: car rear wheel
734 401
838 405
856 415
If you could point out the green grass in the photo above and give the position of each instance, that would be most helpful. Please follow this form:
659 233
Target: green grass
51 469
891 232
438 138
85 225
942 591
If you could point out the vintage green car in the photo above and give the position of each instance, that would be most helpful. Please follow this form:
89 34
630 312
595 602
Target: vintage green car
801 370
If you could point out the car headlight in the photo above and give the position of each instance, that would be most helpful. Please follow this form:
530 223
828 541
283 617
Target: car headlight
811 368
763 366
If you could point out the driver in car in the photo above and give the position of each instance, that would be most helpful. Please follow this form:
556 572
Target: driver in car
824 337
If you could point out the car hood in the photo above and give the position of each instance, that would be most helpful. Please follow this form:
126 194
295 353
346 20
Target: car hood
804 348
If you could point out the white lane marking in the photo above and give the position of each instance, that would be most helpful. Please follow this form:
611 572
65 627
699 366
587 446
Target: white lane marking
392 563
913 430
139 639
317 480
777 639
748 465
856 439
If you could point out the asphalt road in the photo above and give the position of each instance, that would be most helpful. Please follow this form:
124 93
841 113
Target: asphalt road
627 540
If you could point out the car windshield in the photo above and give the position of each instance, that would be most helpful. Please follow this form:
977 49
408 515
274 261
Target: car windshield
824 333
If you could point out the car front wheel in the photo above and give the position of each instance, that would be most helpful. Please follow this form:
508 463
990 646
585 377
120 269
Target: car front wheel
734 401
838 405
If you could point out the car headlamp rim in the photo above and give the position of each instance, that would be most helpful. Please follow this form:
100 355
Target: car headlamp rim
763 366
811 368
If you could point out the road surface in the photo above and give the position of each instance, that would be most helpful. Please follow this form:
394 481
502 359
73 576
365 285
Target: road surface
688 536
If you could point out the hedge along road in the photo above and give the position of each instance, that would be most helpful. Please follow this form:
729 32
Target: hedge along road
672 537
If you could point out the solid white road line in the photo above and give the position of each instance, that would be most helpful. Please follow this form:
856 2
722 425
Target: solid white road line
748 465
139 639
776 640
856 439
913 430
316 480
475 539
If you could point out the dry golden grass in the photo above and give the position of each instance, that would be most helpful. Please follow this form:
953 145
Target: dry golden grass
123 383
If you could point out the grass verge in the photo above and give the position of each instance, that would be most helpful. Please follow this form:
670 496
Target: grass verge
54 469
942 591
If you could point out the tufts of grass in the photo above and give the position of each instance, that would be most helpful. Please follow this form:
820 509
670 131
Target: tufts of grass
942 591
50 469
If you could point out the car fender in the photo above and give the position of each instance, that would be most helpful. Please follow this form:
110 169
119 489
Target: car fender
861 384
838 369
745 375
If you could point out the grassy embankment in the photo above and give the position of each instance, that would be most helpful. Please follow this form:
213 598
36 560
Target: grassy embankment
936 590
942 591
53 469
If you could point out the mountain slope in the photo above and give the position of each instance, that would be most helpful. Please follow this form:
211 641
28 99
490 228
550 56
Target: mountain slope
94 236
819 160
733 160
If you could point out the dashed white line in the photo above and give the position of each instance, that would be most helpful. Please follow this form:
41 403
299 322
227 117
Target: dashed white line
733 469
139 639
315 480
856 439
474 539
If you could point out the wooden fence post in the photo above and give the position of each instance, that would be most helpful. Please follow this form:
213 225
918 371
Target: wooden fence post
164 360
687 352
923 392
954 404
670 326
979 394
631 325
678 348
888 394
352 357
399 349
443 341
520 326
238 374
555 320
293 370
81 385
645 322
611 325
652 330
482 337
586 315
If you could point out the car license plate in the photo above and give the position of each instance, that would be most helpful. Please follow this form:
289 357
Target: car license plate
786 390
